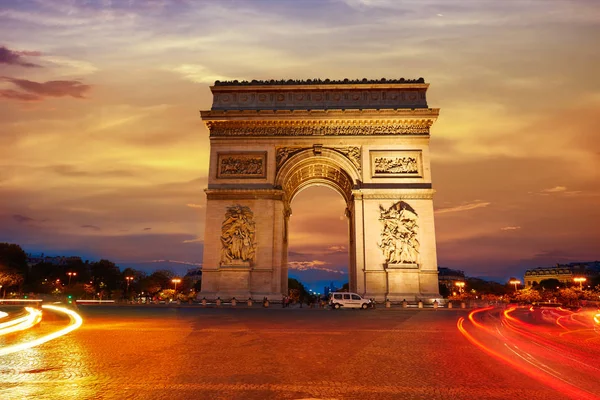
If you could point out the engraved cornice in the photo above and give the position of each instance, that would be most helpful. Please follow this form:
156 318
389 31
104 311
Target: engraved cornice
320 96
351 127
355 114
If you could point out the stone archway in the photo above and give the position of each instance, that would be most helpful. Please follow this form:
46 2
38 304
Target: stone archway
317 166
368 140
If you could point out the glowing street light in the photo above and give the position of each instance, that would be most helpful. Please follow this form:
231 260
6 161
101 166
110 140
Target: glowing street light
580 279
515 282
460 285
175 281
129 279
71 274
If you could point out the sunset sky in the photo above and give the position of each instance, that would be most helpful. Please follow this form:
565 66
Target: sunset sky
103 153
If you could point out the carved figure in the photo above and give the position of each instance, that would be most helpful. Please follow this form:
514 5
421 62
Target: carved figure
399 241
284 153
352 153
237 235
397 165
241 165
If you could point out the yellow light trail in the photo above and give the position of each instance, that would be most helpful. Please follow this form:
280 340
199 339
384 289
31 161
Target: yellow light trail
3 314
76 322
20 324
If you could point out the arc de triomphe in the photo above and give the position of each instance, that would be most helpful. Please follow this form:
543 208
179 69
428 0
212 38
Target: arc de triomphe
368 140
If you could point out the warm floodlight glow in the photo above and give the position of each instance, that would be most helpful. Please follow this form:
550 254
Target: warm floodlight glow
76 322
580 279
515 282
175 281
460 285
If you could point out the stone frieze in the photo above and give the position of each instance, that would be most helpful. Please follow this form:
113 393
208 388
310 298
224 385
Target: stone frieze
318 128
241 165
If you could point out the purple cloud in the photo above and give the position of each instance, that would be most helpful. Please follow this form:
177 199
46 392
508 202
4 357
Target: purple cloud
22 218
15 95
10 57
51 88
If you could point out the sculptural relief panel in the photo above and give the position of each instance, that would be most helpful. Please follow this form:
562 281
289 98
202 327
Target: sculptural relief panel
396 163
399 236
242 165
238 236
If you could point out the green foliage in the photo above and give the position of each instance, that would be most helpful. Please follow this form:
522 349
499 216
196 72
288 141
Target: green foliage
12 257
528 295
299 290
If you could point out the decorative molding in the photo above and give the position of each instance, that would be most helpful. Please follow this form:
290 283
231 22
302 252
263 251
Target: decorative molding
236 165
317 81
396 164
237 237
402 266
399 242
319 127
352 153
282 154
242 194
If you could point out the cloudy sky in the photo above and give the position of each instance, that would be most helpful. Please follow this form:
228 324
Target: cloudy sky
103 153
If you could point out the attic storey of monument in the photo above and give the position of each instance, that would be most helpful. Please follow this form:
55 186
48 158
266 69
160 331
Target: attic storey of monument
368 140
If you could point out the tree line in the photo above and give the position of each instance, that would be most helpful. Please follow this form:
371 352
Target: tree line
84 279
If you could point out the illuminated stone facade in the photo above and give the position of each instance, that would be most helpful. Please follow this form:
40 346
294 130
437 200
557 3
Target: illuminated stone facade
564 273
368 140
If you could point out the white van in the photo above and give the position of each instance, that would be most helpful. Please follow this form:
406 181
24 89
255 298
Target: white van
348 300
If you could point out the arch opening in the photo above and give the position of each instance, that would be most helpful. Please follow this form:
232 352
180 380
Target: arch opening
318 252
308 170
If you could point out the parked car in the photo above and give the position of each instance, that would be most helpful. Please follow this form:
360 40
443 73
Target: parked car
338 300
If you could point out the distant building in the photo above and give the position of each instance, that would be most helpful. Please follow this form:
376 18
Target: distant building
448 277
564 273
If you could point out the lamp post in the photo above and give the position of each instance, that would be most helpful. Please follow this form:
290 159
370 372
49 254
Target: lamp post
515 282
71 274
580 279
460 285
129 279
175 281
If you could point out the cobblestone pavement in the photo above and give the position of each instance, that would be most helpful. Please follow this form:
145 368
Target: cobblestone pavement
194 353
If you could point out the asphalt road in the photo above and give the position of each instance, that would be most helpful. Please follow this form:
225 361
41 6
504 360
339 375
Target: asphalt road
195 353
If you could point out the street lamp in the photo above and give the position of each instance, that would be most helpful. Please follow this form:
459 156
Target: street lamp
515 282
71 274
175 281
129 279
460 285
580 279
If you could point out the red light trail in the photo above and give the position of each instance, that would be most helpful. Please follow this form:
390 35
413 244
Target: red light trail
559 348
